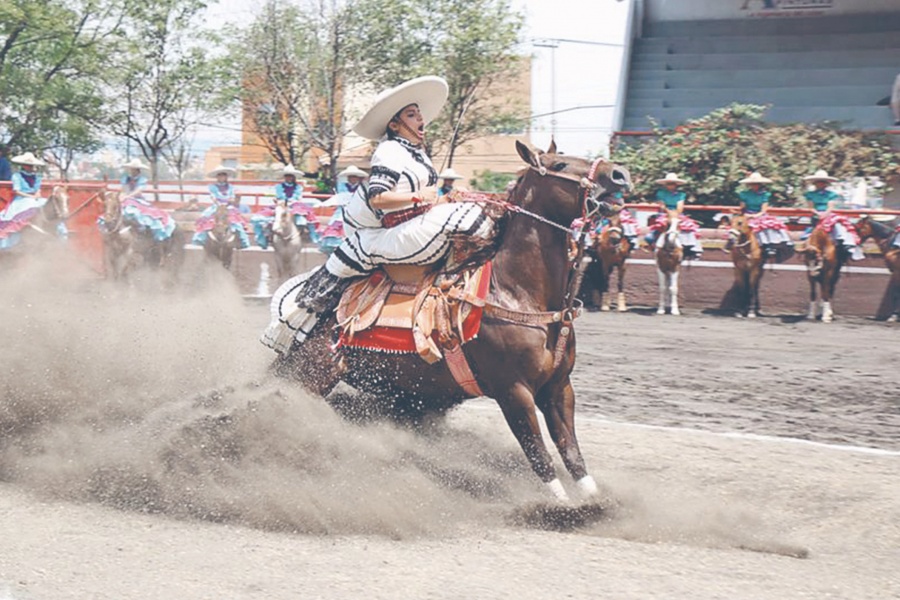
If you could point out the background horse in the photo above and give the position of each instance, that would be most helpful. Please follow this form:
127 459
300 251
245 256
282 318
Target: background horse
287 242
668 262
222 240
525 350
118 237
823 261
883 234
749 260
46 222
613 248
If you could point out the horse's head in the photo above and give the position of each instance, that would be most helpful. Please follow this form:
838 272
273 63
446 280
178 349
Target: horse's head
613 233
282 218
740 230
221 231
867 228
57 206
563 187
112 207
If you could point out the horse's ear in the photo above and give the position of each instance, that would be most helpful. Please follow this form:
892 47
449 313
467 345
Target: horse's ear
552 148
527 154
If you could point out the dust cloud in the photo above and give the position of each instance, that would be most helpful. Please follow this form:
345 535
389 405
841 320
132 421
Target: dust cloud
161 402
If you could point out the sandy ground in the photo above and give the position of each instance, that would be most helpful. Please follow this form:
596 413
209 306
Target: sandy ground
145 454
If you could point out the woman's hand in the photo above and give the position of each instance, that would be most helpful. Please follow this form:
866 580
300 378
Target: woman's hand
427 195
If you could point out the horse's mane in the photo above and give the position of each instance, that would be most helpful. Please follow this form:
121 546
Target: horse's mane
880 229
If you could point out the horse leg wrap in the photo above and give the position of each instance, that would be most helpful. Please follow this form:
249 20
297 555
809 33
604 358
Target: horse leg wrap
587 486
557 489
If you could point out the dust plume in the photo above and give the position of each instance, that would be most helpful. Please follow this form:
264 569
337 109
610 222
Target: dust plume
161 402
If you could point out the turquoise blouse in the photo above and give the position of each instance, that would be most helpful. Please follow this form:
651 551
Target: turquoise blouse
821 198
26 183
670 199
287 191
223 193
754 200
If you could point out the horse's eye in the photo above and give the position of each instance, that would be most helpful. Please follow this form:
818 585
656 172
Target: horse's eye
560 166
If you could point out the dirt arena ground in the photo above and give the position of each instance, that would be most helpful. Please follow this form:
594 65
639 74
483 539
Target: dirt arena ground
145 454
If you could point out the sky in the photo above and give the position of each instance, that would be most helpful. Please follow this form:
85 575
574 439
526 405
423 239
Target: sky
580 72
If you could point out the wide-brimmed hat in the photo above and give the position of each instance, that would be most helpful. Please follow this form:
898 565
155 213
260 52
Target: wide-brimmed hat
27 159
449 173
820 175
134 163
353 171
671 178
222 169
290 170
429 93
755 177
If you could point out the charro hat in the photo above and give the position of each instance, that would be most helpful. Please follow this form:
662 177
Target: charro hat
27 159
222 169
353 171
755 177
820 175
134 163
671 178
290 170
449 173
429 93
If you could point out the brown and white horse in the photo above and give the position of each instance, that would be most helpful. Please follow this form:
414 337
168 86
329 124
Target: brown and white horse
287 242
613 248
749 260
669 255
824 261
883 235
118 237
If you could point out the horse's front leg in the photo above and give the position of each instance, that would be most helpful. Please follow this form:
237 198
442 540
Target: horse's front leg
673 292
519 410
829 282
812 298
557 402
754 278
663 286
605 293
620 300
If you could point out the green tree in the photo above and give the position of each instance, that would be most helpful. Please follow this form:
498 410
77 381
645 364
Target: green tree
167 82
52 55
471 43
716 151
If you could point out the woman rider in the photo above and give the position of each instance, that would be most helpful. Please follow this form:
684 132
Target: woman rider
822 201
397 219
289 191
26 202
671 199
754 200
137 209
221 192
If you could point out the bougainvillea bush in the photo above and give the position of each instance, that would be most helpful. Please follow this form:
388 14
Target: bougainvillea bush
716 151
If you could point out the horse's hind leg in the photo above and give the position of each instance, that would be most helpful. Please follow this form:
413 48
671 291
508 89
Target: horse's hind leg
663 287
558 405
519 410
754 278
673 292
812 300
829 282
604 290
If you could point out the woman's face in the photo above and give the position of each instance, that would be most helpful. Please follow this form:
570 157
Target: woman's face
820 184
222 177
409 124
671 186
756 187
28 168
290 179
353 179
134 172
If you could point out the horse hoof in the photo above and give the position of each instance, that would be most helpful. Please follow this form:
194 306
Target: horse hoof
892 319
676 312
660 311
751 315
622 308
604 308
739 315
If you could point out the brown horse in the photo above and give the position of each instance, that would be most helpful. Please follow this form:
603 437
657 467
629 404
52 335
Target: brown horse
221 241
613 248
126 245
883 236
45 224
287 242
823 269
749 261
519 358
669 255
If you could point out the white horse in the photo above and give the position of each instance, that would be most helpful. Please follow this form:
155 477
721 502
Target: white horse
669 255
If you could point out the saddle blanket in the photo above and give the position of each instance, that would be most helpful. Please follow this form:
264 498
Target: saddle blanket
831 220
685 225
380 314
766 221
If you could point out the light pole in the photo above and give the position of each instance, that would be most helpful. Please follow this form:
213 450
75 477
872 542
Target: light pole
553 44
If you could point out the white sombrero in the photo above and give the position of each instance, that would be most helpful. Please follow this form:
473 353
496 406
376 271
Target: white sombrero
222 169
820 175
429 93
27 159
755 177
353 171
449 173
134 163
290 170
671 178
